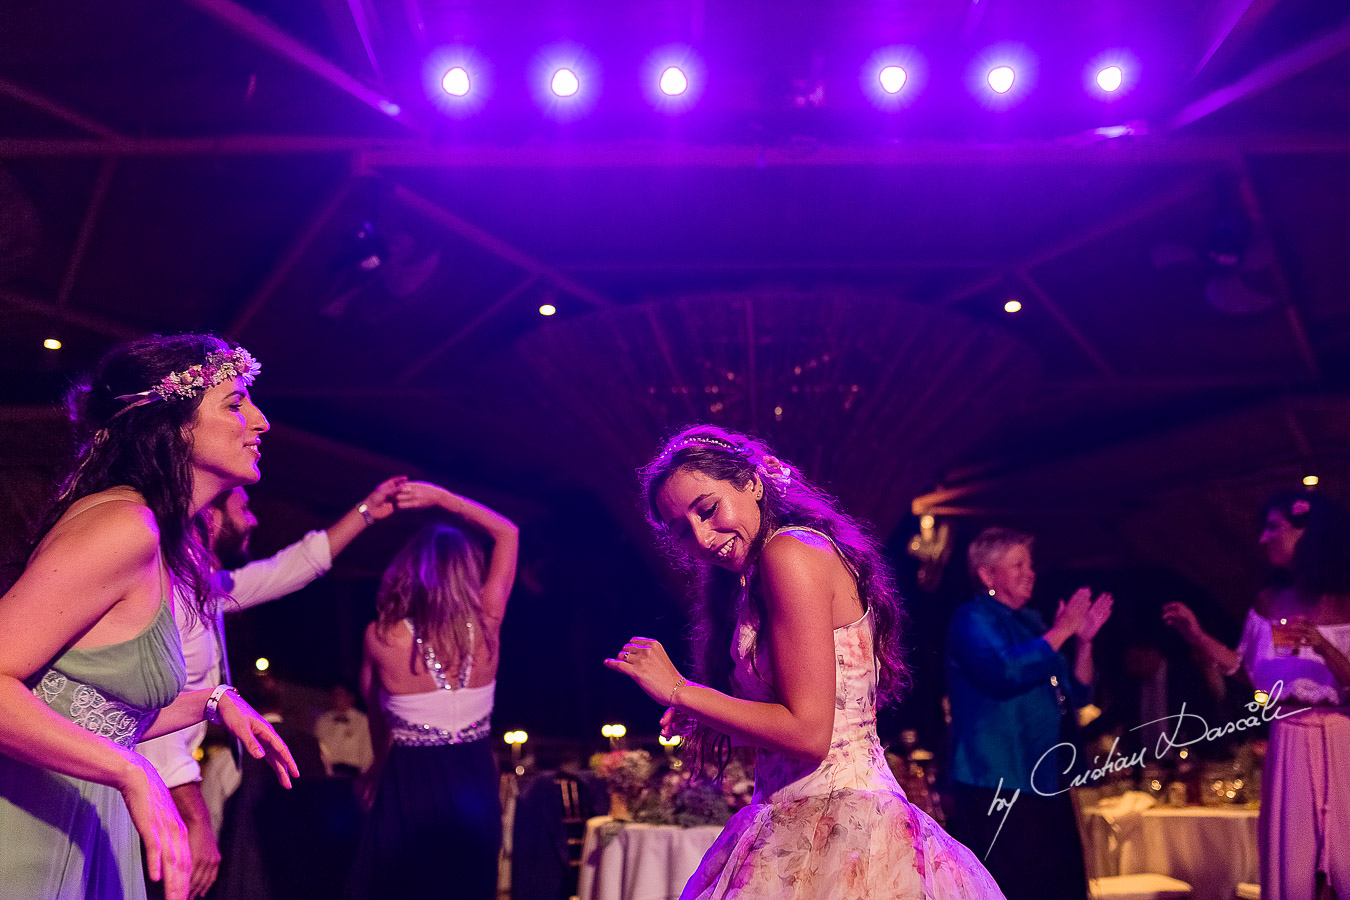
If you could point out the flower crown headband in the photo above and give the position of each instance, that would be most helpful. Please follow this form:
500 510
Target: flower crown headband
770 467
220 365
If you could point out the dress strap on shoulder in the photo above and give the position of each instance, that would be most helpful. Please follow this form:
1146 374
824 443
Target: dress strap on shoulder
816 531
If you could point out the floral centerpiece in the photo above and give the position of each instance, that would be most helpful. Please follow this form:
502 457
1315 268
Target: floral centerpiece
626 774
640 792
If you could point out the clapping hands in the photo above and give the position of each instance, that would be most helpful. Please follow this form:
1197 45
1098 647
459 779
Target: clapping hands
1082 615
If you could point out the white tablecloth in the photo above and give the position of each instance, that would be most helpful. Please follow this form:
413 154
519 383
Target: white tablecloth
1210 848
641 862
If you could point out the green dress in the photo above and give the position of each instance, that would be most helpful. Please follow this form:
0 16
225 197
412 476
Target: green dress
64 838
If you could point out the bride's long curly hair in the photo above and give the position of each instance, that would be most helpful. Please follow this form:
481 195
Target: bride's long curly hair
793 501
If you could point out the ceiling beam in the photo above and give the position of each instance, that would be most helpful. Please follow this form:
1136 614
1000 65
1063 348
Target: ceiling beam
794 265
996 473
1127 151
663 345
417 23
1255 209
461 333
1073 331
495 245
339 392
1297 433
52 108
86 232
267 35
377 152
1229 23
223 145
1265 77
356 24
98 324
313 227
1175 382
1150 207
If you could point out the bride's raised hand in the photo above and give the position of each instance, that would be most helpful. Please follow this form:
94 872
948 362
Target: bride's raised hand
645 661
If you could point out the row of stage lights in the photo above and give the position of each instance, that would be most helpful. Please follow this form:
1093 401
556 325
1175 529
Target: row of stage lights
673 78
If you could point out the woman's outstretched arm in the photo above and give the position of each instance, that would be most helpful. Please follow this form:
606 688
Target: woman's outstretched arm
1180 617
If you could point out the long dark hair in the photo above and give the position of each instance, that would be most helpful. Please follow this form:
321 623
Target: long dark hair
147 448
1321 563
737 458
436 581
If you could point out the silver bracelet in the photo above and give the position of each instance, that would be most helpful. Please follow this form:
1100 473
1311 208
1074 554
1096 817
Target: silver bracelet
213 702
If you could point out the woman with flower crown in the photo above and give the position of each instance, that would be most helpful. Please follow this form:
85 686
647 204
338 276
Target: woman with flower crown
1295 648
90 661
797 640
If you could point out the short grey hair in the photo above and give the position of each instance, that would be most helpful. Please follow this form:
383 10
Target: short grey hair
990 545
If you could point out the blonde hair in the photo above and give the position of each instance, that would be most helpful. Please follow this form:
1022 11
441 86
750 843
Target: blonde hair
436 582
990 545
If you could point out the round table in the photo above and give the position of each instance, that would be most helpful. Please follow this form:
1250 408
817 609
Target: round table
1211 848
640 862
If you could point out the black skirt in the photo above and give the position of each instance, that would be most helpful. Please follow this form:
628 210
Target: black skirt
436 827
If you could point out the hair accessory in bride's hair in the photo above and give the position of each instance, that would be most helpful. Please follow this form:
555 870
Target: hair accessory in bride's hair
1300 508
221 365
702 439
775 470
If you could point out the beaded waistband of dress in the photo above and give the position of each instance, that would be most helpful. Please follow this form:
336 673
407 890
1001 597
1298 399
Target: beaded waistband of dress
92 710
409 734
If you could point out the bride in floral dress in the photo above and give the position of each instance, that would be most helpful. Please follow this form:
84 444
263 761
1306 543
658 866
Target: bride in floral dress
806 607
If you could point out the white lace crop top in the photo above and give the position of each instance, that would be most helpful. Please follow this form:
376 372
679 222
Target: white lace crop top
1305 676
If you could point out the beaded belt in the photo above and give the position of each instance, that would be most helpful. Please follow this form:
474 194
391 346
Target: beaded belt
407 734
92 710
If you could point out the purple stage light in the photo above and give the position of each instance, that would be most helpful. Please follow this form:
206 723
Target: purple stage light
1110 79
892 79
566 80
1003 75
1001 79
564 83
455 82
458 80
672 78
1112 74
674 82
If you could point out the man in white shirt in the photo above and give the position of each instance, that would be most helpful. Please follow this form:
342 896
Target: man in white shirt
344 735
231 523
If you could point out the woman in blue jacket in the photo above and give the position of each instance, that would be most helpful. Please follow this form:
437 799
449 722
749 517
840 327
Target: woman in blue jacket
1014 697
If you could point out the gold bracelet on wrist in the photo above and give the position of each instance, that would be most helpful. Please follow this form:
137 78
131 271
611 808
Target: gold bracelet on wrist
675 690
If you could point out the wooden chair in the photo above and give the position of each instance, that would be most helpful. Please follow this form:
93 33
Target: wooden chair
574 827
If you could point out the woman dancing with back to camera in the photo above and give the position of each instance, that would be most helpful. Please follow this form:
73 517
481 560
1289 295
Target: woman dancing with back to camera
808 609
429 677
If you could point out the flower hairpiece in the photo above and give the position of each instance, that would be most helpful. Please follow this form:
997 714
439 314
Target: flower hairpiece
220 365
776 471
1300 508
